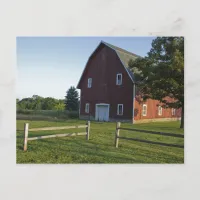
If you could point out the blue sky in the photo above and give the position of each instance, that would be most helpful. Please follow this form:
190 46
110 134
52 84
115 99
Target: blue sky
48 66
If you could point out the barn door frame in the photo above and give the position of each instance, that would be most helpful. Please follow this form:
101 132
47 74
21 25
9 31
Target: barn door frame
102 104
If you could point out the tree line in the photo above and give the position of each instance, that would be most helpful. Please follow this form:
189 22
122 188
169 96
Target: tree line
36 102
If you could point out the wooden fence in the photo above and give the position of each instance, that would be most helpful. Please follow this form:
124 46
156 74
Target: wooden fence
117 137
26 130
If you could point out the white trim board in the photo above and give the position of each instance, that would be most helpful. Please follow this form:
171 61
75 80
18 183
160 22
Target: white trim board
143 109
118 109
102 104
117 79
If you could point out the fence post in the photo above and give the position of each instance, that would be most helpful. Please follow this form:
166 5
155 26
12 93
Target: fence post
88 130
117 134
25 136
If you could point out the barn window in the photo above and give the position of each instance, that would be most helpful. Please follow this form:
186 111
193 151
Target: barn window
159 110
173 111
144 110
119 79
87 107
89 82
120 109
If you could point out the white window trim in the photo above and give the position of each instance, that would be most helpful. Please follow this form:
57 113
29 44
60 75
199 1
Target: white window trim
89 82
117 79
159 110
173 111
118 109
87 108
144 105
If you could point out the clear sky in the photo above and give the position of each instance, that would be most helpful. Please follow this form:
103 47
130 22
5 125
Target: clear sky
48 66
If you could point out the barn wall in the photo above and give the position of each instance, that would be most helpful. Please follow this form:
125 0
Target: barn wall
152 111
103 68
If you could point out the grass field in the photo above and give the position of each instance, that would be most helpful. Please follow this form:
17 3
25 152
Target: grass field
100 148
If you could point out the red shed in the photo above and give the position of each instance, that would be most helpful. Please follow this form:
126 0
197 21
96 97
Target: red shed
107 89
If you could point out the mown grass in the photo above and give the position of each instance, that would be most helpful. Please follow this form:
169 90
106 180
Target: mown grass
50 115
100 148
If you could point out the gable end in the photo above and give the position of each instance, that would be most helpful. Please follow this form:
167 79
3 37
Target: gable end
123 56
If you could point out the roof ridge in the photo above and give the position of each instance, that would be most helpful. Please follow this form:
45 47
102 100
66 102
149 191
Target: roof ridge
120 49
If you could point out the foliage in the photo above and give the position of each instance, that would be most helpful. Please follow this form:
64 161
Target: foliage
73 115
40 103
72 99
100 148
60 106
160 75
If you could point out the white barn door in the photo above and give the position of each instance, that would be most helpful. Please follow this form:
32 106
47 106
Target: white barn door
102 112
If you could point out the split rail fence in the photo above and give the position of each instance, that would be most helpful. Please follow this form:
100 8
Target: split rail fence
26 130
117 137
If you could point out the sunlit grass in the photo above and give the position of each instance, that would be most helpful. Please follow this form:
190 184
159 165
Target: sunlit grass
100 148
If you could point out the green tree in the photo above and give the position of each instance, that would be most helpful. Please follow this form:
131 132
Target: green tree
26 103
160 75
60 106
40 103
37 101
49 103
71 99
17 103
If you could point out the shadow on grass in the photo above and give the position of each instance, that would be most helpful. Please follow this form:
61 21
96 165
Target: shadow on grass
85 152
88 150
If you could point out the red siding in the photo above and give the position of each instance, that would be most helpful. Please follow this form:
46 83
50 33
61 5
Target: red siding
103 68
152 111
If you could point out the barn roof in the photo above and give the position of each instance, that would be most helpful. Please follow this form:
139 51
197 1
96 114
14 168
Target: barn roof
123 55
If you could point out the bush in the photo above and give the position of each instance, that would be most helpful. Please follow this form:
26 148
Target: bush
73 114
26 112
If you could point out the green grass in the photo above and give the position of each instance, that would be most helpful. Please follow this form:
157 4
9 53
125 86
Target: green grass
100 148
50 115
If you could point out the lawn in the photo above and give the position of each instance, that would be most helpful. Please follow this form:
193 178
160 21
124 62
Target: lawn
100 148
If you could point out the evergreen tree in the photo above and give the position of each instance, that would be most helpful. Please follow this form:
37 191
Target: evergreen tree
72 99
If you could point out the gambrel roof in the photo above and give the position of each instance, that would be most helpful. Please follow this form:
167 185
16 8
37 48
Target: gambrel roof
124 56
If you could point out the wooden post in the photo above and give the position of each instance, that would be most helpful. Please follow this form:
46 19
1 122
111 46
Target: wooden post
88 130
117 134
25 136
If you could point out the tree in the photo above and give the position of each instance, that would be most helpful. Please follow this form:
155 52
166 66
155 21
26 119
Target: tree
49 103
40 103
71 99
60 106
160 75
37 101
17 103
26 103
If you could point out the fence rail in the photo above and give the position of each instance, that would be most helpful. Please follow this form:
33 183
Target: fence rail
26 130
117 137
57 128
153 132
57 135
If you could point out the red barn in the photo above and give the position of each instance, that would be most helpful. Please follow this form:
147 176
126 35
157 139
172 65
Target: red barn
108 91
